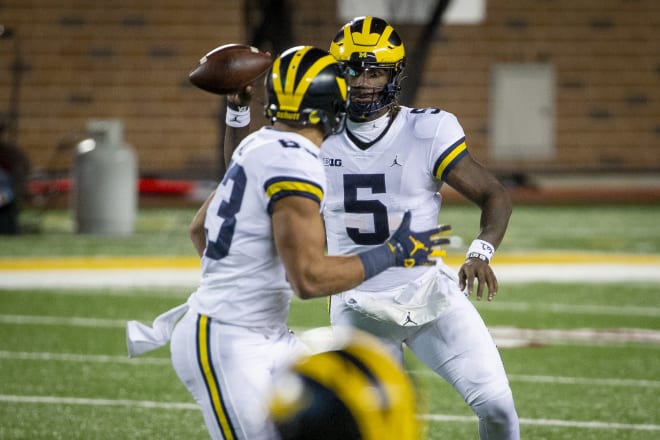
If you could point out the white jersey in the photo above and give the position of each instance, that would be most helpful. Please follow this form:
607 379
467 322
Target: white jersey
243 279
369 190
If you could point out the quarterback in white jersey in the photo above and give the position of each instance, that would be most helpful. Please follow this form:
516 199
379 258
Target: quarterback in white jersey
263 241
369 190
392 159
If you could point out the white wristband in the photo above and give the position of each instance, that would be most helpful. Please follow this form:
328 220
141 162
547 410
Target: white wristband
238 118
481 249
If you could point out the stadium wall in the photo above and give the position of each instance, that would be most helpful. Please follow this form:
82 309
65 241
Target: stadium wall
129 60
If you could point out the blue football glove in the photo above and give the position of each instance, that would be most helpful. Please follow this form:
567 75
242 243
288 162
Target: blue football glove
416 248
405 248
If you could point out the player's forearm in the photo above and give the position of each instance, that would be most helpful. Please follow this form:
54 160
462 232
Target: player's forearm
196 230
495 213
327 276
233 137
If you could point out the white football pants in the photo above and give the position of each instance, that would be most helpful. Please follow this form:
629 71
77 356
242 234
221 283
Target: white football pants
458 347
228 370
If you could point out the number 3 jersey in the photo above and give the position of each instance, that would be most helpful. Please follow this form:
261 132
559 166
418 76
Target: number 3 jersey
243 279
369 190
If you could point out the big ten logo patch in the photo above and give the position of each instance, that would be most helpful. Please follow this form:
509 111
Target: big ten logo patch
330 162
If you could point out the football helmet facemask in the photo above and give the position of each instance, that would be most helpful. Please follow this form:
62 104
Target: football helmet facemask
371 43
306 85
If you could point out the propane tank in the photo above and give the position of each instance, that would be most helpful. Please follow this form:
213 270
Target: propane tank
105 181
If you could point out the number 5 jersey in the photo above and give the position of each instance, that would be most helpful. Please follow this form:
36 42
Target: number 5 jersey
369 190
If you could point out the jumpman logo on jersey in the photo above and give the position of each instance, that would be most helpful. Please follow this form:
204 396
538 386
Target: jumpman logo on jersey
409 320
396 161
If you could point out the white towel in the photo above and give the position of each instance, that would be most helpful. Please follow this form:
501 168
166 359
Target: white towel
141 338
413 304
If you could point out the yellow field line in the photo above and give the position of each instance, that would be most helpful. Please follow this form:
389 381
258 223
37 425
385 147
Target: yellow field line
171 262
92 263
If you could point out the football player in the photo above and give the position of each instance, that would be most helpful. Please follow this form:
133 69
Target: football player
391 159
264 241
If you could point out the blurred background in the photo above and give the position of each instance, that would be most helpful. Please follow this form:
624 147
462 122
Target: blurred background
561 98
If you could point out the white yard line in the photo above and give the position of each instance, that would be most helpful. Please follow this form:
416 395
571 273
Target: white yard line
549 422
54 400
99 278
83 358
584 309
584 381
68 321
562 380
188 278
146 360
580 273
504 336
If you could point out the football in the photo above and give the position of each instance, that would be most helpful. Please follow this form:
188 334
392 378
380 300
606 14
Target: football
229 68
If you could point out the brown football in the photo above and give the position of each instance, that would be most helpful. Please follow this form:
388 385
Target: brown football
229 68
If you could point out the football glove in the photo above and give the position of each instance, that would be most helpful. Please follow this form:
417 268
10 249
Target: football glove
405 248
417 248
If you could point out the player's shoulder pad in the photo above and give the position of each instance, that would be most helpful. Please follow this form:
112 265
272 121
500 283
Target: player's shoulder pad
426 121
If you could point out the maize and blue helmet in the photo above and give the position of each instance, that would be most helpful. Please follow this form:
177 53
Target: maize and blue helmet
353 391
306 85
371 43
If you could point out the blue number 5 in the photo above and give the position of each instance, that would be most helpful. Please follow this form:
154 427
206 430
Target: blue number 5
376 183
219 248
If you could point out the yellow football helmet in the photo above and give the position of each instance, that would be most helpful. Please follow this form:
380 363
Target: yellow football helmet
306 85
355 390
371 43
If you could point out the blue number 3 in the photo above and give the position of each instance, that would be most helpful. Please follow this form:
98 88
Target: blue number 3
219 248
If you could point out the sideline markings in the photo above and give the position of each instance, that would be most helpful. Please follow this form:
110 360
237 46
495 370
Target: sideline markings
145 360
82 358
430 417
504 336
192 262
103 272
581 309
98 262
550 422
562 380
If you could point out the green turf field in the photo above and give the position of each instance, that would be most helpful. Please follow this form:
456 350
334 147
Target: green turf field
601 228
65 373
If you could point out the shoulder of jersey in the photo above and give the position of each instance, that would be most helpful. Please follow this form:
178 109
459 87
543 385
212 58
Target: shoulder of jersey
280 147
284 156
425 123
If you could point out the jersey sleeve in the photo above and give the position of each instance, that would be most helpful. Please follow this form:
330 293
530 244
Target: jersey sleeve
448 146
293 171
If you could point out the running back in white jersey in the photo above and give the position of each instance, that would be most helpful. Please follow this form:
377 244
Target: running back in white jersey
243 279
368 191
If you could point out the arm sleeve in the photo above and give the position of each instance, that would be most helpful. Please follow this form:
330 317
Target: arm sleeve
448 147
294 172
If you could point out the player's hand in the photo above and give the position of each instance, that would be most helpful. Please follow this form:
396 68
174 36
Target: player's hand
241 99
417 248
244 97
479 270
